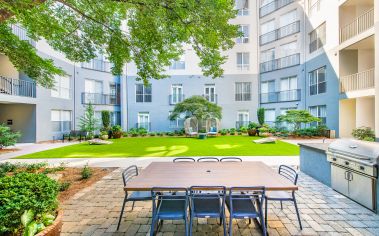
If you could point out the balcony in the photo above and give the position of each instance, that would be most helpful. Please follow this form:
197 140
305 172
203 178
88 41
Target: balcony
273 6
281 96
175 98
280 63
357 26
279 33
99 65
17 87
359 81
210 97
21 33
100 99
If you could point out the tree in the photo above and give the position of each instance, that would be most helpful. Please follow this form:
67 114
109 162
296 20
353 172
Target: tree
106 119
196 106
261 115
297 118
88 121
156 32
7 137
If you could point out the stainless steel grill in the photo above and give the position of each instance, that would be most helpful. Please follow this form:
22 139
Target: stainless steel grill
355 170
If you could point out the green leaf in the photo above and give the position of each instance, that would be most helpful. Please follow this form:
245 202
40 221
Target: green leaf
32 229
27 217
48 219
40 227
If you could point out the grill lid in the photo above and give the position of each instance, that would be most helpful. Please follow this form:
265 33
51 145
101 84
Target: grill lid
357 149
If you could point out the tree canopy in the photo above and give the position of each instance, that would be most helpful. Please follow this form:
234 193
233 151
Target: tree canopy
196 106
297 117
149 32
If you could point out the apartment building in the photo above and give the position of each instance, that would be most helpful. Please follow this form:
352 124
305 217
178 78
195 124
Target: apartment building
236 92
45 114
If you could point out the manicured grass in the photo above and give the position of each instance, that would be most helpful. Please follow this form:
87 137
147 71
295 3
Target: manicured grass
171 146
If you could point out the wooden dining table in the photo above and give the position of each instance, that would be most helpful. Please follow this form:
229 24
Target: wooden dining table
228 174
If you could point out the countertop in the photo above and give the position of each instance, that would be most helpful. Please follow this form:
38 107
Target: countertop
317 146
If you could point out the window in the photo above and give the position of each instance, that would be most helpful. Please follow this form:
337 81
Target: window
243 7
100 63
288 18
93 91
317 38
178 122
270 116
178 65
243 91
317 81
61 87
320 112
210 93
267 27
268 91
176 93
268 55
288 89
61 120
265 2
313 7
143 120
243 119
115 118
244 29
288 49
143 93
114 92
243 60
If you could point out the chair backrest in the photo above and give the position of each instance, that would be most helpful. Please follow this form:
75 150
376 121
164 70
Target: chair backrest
231 159
184 159
161 194
207 192
129 173
247 193
208 159
289 173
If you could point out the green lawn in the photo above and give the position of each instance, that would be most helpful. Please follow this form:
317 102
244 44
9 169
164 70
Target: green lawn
171 146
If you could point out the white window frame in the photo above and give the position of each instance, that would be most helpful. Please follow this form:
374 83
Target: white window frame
316 79
176 97
208 96
243 65
144 94
243 7
317 112
266 116
245 91
317 37
177 123
245 30
139 118
61 119
59 88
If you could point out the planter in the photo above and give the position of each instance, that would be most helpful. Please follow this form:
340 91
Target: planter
104 137
55 228
202 136
117 134
252 132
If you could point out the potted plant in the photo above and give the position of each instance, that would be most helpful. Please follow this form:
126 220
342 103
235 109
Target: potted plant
116 131
104 135
252 129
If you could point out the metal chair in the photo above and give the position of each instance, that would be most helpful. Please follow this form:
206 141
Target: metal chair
127 175
208 159
231 159
281 196
169 204
184 159
207 202
246 203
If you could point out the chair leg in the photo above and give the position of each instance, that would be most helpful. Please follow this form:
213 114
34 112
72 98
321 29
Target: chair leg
190 225
224 223
220 221
266 211
297 211
152 229
249 221
133 205
186 226
230 226
122 211
281 205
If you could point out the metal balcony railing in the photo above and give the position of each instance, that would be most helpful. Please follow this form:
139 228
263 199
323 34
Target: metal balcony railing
241 123
280 63
100 99
22 34
17 87
358 81
359 25
175 98
281 96
279 33
144 125
273 6
210 97
99 65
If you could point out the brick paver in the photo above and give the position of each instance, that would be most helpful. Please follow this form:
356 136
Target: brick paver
95 211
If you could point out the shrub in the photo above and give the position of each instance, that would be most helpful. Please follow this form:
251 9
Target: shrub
152 134
64 186
239 133
7 137
264 129
160 133
86 172
253 125
170 133
142 131
232 131
297 118
261 116
224 132
25 192
106 119
88 122
364 133
34 167
116 131
243 129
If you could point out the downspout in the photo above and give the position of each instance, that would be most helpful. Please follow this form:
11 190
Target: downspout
74 98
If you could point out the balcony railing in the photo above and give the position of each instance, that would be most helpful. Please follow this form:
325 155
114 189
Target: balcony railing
358 81
281 96
21 33
99 65
100 99
241 123
210 97
280 63
279 33
175 98
144 125
17 87
359 25
273 6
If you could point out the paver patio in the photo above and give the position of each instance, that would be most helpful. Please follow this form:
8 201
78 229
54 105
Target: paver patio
95 211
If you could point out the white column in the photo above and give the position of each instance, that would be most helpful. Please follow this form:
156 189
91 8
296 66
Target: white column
123 104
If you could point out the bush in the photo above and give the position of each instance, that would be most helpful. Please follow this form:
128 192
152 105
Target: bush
25 192
261 115
106 120
170 133
86 172
253 125
7 137
64 186
364 133
152 134
232 131
160 133
243 129
116 131
142 131
224 132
